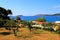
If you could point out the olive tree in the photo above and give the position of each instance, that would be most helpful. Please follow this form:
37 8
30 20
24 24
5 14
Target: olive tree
11 25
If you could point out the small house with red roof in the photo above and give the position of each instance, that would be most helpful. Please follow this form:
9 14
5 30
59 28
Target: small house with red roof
38 24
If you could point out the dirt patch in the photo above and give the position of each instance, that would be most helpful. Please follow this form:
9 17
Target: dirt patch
25 34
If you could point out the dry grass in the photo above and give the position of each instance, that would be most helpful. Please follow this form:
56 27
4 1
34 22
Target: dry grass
25 34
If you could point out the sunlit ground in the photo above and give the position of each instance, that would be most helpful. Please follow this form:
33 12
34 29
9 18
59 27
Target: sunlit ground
25 34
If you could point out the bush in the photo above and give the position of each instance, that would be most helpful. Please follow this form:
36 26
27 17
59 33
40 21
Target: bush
48 28
41 20
58 31
2 22
49 24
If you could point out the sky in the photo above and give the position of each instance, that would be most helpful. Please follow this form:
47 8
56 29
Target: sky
31 7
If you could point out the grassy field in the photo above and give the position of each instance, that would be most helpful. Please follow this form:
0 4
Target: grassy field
25 34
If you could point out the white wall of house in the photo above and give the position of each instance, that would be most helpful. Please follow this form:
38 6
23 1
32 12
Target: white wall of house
38 26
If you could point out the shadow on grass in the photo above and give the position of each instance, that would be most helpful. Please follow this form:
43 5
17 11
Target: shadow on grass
5 33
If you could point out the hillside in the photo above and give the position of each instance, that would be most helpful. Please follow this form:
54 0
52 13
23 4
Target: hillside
57 14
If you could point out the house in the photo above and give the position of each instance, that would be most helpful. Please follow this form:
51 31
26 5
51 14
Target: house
38 24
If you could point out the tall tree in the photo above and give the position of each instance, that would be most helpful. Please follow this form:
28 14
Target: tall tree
11 25
4 13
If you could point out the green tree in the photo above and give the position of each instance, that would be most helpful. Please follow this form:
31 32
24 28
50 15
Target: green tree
1 22
41 20
29 25
11 25
4 15
49 24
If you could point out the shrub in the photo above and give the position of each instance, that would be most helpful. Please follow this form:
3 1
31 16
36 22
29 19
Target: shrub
48 28
58 31
41 20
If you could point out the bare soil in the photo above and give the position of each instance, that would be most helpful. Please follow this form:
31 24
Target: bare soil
25 34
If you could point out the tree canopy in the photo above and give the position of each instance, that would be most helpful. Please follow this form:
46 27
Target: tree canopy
4 13
10 23
41 20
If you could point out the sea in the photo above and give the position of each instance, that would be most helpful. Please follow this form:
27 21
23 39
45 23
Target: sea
30 18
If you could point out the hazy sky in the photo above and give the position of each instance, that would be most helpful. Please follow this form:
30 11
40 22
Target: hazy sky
31 7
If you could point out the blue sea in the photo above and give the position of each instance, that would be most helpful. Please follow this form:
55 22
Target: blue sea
30 18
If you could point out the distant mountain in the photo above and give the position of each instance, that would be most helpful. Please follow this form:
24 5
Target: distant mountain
57 14
19 15
43 15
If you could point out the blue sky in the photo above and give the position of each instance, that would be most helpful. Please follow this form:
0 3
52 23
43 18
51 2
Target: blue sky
31 7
